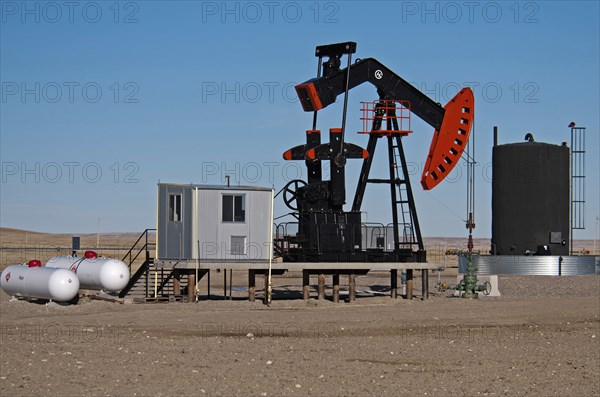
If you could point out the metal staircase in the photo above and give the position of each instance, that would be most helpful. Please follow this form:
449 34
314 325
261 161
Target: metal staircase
140 252
147 281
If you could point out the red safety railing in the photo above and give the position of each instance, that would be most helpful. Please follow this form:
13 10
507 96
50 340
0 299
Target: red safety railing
378 117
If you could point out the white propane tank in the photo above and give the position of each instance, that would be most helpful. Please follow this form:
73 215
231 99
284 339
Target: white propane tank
93 272
33 281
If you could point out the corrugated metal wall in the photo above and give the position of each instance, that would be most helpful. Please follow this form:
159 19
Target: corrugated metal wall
215 235
533 265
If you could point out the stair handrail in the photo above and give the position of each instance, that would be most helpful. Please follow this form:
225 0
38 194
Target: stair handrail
142 249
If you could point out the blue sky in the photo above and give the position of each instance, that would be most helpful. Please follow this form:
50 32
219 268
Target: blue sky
101 100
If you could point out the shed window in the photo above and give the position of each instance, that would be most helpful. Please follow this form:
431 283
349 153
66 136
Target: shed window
238 245
234 208
175 207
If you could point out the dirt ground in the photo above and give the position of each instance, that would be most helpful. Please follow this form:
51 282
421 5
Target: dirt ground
540 338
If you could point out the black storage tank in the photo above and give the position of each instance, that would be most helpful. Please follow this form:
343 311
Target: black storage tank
530 199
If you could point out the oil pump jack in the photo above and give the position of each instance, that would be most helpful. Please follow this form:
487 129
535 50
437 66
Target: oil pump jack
328 233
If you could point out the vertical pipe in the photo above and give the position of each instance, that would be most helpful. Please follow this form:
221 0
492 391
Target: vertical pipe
156 240
224 284
230 283
269 291
191 293
352 287
394 283
345 103
251 285
196 289
424 284
409 284
473 180
321 287
336 288
495 136
318 75
493 242
266 288
305 284
560 260
176 284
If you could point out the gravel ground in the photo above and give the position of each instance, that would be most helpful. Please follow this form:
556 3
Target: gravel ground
539 338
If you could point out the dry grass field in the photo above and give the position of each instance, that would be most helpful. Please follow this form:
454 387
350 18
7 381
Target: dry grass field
19 246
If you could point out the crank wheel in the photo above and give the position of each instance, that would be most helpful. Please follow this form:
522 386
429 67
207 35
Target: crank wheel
290 193
487 288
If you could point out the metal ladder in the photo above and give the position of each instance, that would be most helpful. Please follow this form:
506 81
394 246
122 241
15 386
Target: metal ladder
577 181
407 237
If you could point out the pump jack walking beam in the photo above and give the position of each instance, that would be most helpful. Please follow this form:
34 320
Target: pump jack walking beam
452 123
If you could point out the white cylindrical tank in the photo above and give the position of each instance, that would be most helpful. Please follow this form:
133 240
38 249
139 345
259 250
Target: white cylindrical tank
40 282
94 273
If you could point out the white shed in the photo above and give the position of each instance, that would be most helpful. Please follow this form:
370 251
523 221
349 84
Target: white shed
213 223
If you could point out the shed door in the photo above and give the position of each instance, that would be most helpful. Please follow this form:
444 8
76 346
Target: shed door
175 230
